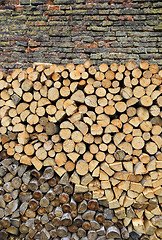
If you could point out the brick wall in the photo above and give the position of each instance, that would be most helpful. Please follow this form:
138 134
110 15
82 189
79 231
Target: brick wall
61 31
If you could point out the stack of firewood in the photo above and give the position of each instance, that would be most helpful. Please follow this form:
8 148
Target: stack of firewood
81 152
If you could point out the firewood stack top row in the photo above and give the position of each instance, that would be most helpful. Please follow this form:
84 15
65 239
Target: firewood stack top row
81 152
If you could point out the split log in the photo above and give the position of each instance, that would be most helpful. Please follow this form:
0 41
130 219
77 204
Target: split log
93 137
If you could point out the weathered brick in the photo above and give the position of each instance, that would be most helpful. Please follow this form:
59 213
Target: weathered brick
95 56
138 50
96 28
63 1
107 23
152 50
37 2
25 2
76 30
158 27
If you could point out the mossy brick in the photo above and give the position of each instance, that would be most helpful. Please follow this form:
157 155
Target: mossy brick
80 1
4 37
138 50
66 50
152 23
109 38
153 11
63 44
96 56
44 28
157 56
40 23
71 55
136 44
118 56
114 11
151 39
157 4
152 17
132 11
127 44
115 44
64 7
122 39
24 2
158 44
78 50
95 34
146 5
125 50
146 56
93 18
18 18
4 44
87 38
155 34
36 12
91 50
2 18
158 27
138 34
59 33
79 61
159 62
82 12
152 50
101 44
37 18
113 18
139 17
79 6
22 43
120 33
105 55
37 2
17 28
6 12
55 12
132 57
63 1
97 29
107 23
104 12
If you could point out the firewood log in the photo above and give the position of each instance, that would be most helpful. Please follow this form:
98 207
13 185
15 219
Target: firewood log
76 140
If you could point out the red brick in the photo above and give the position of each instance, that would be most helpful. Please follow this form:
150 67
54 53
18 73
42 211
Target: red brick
54 8
28 50
129 18
121 18
14 2
19 9
49 2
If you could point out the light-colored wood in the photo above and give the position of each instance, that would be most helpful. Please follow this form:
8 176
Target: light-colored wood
91 137
138 225
151 148
146 101
103 67
130 65
144 65
53 94
82 167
